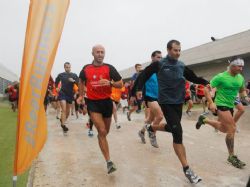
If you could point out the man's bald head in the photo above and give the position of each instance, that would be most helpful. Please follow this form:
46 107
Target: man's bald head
97 46
98 52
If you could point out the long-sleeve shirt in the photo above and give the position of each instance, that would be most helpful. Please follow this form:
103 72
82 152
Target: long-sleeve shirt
171 75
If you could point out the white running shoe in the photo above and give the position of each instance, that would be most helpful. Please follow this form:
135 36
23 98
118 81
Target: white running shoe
192 177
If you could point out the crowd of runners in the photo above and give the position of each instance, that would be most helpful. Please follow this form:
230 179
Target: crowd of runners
160 90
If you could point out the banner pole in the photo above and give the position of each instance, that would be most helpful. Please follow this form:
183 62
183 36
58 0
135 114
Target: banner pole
14 179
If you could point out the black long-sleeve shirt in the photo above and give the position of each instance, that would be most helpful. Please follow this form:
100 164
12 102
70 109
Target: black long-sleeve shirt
171 75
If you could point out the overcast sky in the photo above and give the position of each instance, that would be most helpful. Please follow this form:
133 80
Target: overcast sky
129 29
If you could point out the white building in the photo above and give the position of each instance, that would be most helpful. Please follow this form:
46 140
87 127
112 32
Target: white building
6 78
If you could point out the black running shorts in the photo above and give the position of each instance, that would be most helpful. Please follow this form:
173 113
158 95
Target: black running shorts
149 99
225 108
104 106
68 98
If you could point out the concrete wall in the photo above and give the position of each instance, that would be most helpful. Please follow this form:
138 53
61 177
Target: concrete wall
210 69
246 69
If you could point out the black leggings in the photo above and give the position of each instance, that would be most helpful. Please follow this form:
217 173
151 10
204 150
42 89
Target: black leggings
173 114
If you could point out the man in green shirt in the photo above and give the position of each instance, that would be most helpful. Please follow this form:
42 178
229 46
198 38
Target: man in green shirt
228 84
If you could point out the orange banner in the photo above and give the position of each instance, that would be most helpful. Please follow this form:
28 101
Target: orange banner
45 23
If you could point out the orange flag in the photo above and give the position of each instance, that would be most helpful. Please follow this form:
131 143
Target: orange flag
45 23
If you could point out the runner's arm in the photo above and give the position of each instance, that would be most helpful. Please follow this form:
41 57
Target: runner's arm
81 83
243 93
58 79
192 77
146 74
76 78
116 79
134 88
81 88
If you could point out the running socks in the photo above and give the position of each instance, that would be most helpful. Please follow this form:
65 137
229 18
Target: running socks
185 168
90 124
148 127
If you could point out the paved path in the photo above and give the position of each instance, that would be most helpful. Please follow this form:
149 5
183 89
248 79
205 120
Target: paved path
76 160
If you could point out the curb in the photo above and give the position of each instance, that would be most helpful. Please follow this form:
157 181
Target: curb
32 174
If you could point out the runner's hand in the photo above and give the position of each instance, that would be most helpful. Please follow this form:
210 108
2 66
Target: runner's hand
247 99
139 95
104 82
212 107
209 87
132 100
80 100
84 111
71 80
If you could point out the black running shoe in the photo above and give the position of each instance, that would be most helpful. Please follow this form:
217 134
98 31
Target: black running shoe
142 136
200 121
128 116
111 167
65 129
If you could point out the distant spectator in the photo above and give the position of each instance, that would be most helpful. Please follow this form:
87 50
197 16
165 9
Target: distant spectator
248 88
193 92
12 91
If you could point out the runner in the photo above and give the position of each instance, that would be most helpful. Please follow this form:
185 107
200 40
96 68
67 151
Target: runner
49 93
193 93
240 111
53 96
116 94
201 96
78 107
66 94
56 94
82 108
248 88
151 101
171 75
228 84
90 127
188 99
124 97
72 109
134 105
12 92
99 77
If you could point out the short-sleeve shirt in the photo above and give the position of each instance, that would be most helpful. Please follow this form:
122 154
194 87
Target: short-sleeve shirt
66 85
116 94
227 88
200 90
12 92
92 74
187 87
133 78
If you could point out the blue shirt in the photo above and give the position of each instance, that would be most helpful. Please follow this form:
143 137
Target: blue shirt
151 87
